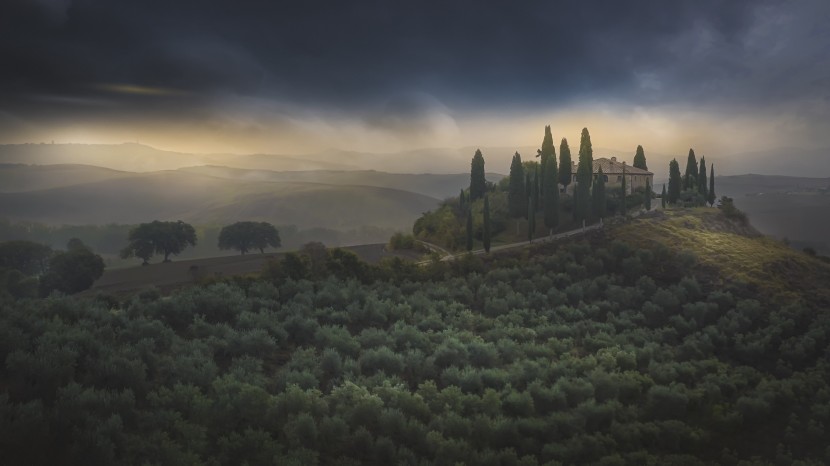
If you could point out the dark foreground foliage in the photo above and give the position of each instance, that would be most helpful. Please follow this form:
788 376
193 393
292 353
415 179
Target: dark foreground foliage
604 356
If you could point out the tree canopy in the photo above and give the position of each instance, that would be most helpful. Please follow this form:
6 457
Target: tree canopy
675 182
478 183
517 194
565 163
550 183
640 159
244 236
159 237
690 177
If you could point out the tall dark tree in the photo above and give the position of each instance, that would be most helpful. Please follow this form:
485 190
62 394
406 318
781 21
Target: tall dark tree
485 236
702 185
690 177
461 201
537 188
469 230
550 181
26 257
623 206
244 236
598 195
675 182
663 197
547 152
648 194
584 176
565 164
478 185
640 159
711 191
517 195
531 219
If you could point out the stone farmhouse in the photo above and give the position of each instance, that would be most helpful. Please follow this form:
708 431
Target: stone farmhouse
612 170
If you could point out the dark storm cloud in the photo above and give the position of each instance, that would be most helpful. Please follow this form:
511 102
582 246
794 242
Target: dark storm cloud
62 56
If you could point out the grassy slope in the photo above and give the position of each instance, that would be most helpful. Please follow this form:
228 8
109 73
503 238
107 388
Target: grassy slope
735 253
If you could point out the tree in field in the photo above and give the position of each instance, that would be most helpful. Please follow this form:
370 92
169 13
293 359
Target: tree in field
675 182
26 257
640 159
663 197
73 270
584 177
702 186
648 195
624 207
244 236
690 177
486 228
711 192
461 200
517 195
159 237
550 182
478 185
598 196
565 166
469 230
547 152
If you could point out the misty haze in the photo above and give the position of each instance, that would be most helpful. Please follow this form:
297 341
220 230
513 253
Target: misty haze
349 233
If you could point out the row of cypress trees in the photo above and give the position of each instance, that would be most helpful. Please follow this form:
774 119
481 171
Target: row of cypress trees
693 180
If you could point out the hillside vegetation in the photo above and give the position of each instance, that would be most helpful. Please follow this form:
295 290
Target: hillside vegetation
625 349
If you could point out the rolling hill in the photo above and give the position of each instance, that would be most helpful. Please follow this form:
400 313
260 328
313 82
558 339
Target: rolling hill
204 199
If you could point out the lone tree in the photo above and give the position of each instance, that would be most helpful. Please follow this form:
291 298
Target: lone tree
461 200
663 197
469 230
547 152
478 185
640 159
598 195
516 194
690 177
711 192
159 237
675 182
648 195
485 236
550 183
702 187
565 164
584 176
244 236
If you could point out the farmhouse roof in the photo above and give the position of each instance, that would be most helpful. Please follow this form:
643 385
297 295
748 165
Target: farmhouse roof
612 166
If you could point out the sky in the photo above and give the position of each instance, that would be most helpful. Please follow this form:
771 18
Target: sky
722 76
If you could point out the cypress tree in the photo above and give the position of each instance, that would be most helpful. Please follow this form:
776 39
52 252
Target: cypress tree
537 188
565 167
663 197
702 187
624 193
469 230
486 232
598 195
690 177
528 191
461 200
531 219
584 175
640 158
478 185
675 182
648 194
550 181
548 151
711 192
516 195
